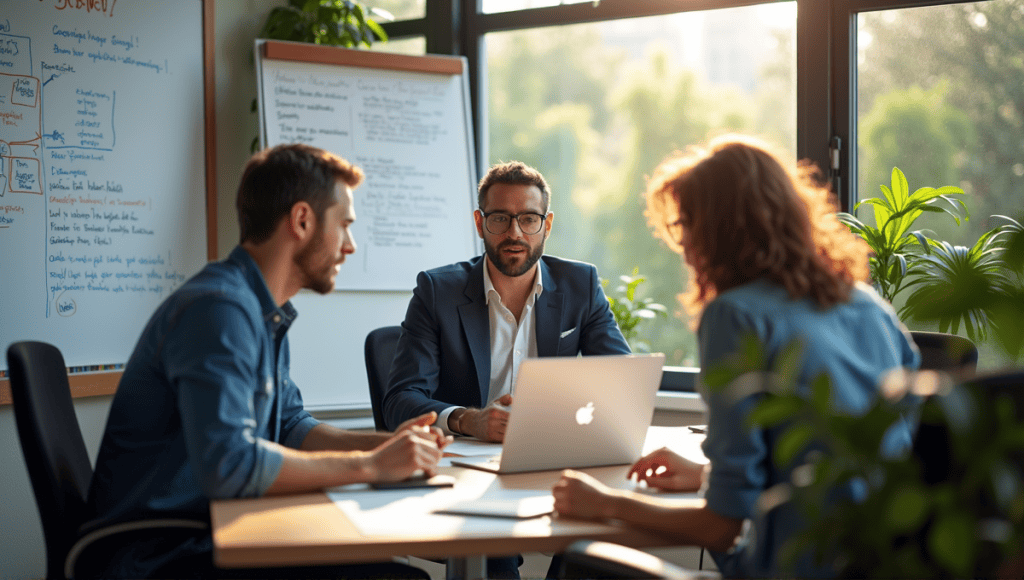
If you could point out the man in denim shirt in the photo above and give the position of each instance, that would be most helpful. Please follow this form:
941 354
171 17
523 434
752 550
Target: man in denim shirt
206 409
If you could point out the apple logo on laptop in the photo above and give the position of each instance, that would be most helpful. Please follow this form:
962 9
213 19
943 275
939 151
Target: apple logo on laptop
584 415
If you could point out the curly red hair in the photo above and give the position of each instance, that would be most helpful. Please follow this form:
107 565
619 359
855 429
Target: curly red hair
740 213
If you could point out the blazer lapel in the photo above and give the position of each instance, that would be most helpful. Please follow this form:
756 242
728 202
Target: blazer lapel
476 324
548 320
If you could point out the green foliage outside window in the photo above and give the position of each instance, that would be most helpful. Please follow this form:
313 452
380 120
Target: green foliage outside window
940 89
596 116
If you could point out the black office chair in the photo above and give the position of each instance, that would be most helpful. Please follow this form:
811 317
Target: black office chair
936 438
57 461
380 352
946 352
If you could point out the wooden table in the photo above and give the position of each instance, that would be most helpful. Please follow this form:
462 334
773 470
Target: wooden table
364 526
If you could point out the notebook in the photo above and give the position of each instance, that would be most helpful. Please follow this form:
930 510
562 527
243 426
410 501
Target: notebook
577 412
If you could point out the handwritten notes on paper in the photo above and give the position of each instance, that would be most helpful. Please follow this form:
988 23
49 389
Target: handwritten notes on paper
409 132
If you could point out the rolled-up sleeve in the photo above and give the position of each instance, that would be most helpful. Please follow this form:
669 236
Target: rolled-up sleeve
738 453
296 422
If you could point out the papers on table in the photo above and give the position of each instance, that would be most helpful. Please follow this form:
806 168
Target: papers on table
374 513
470 447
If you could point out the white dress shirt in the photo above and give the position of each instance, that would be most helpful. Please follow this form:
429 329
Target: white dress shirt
510 342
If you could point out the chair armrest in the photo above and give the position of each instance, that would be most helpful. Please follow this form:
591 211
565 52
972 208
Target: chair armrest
94 531
591 559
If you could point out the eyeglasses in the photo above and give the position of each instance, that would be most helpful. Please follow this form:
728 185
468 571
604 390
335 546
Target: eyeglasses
498 223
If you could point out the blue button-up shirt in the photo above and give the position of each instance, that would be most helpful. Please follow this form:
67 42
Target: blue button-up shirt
205 390
855 343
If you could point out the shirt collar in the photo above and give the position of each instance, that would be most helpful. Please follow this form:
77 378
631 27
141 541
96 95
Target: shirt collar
274 315
489 290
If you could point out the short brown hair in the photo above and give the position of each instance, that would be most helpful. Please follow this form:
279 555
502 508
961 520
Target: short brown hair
513 173
751 215
275 179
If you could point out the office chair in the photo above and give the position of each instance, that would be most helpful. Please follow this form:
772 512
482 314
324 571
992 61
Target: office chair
934 448
57 461
380 352
592 559
946 352
932 441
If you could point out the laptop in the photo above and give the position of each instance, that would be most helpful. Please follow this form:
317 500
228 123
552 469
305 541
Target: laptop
577 412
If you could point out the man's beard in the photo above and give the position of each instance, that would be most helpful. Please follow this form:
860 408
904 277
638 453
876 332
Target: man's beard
316 271
508 268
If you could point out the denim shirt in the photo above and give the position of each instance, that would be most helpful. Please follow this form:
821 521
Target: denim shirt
855 343
205 390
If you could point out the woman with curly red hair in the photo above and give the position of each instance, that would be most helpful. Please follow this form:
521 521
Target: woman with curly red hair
767 258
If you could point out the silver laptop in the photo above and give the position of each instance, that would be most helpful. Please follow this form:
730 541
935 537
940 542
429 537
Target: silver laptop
577 412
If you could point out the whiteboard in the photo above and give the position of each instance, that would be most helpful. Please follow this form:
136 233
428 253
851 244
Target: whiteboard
102 169
408 128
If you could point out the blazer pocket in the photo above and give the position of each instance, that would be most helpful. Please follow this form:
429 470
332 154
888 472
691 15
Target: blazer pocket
569 342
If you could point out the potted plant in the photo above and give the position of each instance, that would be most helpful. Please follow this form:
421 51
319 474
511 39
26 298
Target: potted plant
942 278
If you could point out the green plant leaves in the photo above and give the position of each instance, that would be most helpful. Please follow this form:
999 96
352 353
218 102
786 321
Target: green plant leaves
959 286
791 442
774 411
629 311
951 542
895 247
907 508
975 290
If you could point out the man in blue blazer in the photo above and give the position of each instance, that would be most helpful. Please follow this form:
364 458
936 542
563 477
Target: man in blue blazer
470 324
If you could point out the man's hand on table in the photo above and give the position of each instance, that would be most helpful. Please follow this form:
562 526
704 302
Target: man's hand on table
487 424
422 427
414 448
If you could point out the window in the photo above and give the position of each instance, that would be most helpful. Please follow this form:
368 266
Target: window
491 6
414 45
400 9
940 94
594 94
597 106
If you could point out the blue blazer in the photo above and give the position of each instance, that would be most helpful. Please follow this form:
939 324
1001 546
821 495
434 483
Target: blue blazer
443 357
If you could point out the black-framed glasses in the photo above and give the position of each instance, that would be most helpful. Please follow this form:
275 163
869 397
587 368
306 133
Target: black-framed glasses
498 223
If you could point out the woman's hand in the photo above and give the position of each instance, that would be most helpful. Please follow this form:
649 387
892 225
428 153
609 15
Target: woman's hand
667 470
578 495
